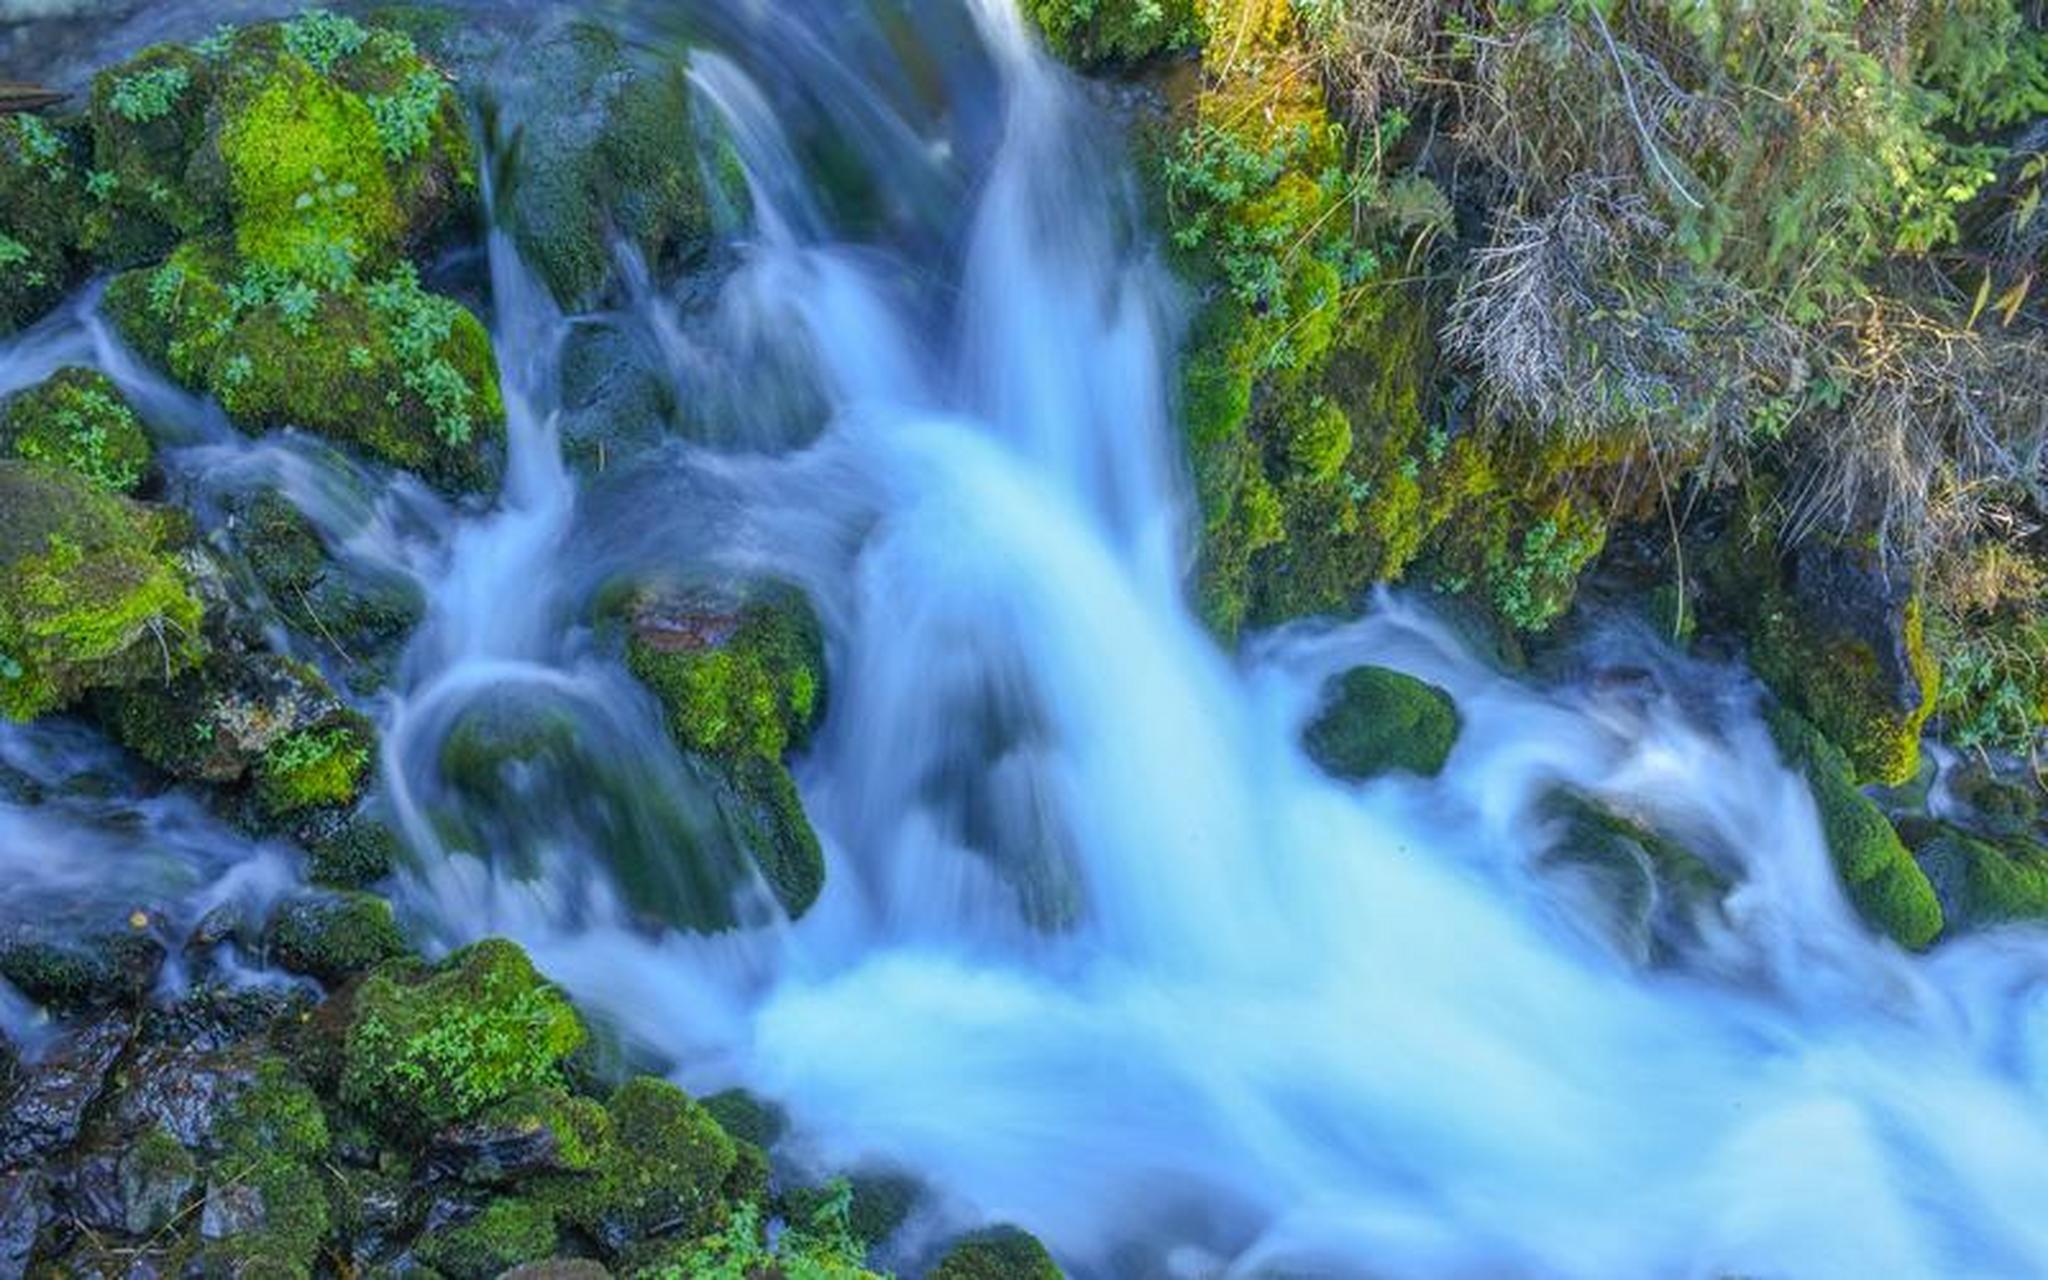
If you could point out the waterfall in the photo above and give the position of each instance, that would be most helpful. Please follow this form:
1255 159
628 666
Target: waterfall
1099 951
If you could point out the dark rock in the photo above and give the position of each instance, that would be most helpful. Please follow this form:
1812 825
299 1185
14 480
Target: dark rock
210 1018
185 1093
48 1106
495 1152
74 974
90 1191
157 1176
24 1207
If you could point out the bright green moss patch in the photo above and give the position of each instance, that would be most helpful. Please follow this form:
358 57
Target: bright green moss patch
77 419
666 1173
1378 720
1883 882
997 1253
1838 682
756 691
88 598
273 1140
431 1048
311 767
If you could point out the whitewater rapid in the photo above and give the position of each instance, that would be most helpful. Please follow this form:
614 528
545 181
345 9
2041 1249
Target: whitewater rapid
1099 951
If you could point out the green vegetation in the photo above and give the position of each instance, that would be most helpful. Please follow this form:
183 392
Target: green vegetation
312 767
89 598
998 1253
76 419
1378 720
1881 879
40 181
431 1048
149 94
1095 31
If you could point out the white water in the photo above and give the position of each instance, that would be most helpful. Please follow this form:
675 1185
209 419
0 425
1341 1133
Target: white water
1296 1027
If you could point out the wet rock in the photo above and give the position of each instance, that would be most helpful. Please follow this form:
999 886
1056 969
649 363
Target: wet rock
185 1093
211 1018
69 974
156 1177
49 1105
500 1149
334 935
24 1207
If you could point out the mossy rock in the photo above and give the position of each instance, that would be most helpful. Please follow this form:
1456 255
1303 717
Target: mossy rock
1091 32
1983 883
157 1178
666 1173
429 1047
267 1210
88 596
741 683
997 1253
1886 886
350 851
68 972
333 936
77 419
403 374
42 200
506 1233
1650 892
1377 720
602 149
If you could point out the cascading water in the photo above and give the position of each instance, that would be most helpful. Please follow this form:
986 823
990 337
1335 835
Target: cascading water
1099 951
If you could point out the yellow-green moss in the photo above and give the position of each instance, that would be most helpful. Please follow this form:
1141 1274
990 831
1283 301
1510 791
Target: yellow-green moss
1377 719
88 598
1836 681
78 420
997 1253
508 1231
312 767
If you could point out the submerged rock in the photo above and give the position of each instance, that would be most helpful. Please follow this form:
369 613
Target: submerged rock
1378 720
601 148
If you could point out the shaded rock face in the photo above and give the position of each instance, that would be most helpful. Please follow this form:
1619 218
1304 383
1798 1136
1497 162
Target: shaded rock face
1849 592
24 1206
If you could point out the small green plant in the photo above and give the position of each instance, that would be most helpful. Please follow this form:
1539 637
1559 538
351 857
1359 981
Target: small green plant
323 38
101 185
419 325
1533 587
215 45
149 95
405 119
12 252
297 302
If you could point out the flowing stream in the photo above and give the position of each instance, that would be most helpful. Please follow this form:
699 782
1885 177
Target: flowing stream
1245 1020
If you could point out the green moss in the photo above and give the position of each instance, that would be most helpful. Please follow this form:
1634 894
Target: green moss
1836 681
70 973
766 816
1378 720
77 419
42 197
1886 886
429 1048
1096 31
506 1233
746 1117
308 768
88 598
157 1176
333 936
666 1173
997 1253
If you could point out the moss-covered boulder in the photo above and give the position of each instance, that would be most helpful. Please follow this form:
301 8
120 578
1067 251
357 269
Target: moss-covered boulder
42 199
741 682
997 1253
1376 720
602 148
266 1208
665 1173
1089 32
67 969
350 851
89 596
384 365
248 717
504 1233
1887 888
430 1047
1982 882
333 936
156 177
1648 893
77 419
